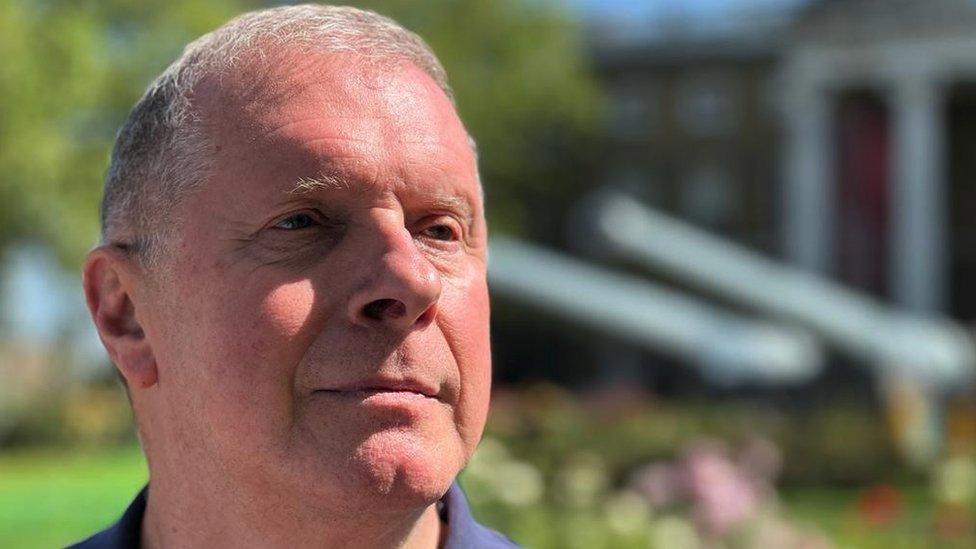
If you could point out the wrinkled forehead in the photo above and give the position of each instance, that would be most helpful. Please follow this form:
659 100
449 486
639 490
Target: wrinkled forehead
374 125
264 91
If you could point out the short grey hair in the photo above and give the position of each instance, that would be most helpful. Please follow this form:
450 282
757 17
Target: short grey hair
162 151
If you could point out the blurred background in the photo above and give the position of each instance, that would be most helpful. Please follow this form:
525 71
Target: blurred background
733 266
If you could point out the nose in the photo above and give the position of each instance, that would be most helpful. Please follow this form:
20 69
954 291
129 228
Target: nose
400 286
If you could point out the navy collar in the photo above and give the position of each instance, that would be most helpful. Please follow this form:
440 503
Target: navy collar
463 532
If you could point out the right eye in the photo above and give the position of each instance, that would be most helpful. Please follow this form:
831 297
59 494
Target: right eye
296 222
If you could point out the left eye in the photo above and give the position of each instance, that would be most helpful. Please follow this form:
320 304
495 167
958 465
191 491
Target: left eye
295 222
440 232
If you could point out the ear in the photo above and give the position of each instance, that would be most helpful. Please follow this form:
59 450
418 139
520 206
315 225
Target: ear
110 276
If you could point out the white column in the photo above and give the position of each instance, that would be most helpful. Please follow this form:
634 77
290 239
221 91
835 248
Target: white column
918 209
808 212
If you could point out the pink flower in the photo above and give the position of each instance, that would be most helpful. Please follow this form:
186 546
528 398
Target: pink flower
722 496
660 484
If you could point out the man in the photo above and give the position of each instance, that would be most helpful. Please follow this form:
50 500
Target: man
292 285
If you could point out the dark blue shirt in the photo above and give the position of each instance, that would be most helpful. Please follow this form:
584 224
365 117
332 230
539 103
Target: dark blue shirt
462 533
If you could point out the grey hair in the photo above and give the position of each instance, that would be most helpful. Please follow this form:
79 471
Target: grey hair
162 152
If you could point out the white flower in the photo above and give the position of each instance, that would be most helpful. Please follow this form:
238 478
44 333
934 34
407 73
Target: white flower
582 480
517 483
674 532
955 480
627 513
490 452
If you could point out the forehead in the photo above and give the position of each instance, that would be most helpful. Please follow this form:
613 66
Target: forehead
338 114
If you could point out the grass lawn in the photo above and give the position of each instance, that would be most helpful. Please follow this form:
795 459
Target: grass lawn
50 498
834 511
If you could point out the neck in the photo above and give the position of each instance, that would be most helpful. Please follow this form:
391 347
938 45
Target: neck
175 518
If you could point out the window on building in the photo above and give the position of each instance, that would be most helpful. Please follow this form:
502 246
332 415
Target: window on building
708 196
637 181
708 104
634 109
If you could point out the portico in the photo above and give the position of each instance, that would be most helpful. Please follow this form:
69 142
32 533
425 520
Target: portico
911 72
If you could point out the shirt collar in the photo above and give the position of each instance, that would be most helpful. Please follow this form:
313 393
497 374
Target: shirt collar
463 532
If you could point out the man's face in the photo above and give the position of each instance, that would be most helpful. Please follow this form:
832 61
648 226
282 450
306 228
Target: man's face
325 329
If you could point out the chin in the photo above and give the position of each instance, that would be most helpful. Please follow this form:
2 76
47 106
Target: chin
404 470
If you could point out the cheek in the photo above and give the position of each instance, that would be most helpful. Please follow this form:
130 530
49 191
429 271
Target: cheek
272 329
251 364
465 324
261 338
287 309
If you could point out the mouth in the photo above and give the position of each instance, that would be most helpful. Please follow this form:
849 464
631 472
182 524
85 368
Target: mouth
398 388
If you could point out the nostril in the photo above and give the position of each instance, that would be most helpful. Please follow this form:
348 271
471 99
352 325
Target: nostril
384 308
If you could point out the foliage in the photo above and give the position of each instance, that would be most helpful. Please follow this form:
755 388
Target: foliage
704 499
617 470
72 70
839 442
71 416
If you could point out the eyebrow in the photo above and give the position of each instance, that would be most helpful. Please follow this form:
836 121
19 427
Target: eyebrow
327 181
456 203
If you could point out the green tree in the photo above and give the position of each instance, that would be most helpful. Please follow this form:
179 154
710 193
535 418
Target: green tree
70 72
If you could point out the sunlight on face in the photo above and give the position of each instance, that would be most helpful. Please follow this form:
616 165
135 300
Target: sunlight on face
333 340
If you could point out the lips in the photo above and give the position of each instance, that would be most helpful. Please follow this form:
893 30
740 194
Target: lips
387 385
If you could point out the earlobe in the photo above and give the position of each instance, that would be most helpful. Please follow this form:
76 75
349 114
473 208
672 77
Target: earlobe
109 280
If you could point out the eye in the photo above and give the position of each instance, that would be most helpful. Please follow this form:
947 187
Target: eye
296 222
441 232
